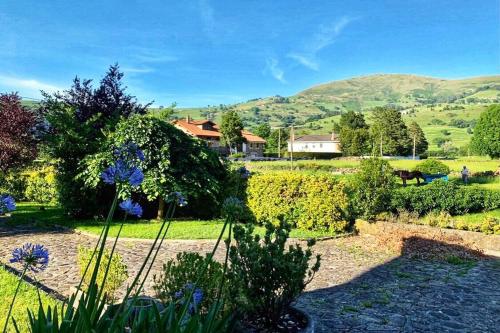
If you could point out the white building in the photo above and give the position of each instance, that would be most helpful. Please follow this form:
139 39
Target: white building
315 144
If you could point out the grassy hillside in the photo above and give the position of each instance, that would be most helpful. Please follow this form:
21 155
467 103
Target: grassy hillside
443 108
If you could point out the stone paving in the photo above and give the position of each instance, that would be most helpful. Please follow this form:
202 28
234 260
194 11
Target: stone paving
359 287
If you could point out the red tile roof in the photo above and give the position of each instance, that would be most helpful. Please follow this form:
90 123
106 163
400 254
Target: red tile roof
192 128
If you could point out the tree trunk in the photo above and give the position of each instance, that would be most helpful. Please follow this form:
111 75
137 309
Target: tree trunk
161 208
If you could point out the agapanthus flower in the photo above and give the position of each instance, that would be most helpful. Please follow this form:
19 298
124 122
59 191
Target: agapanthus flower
244 172
34 257
7 203
129 151
179 199
196 298
131 208
121 172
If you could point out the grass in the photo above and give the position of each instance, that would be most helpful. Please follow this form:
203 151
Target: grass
26 298
475 219
145 229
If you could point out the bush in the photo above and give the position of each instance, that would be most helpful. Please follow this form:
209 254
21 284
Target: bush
41 186
235 185
439 219
312 201
265 279
185 271
432 166
445 196
490 225
373 185
13 183
117 274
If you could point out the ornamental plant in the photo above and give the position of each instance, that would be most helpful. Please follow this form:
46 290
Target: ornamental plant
265 278
7 204
91 314
31 257
432 166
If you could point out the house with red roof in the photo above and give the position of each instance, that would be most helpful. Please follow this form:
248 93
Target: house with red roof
209 132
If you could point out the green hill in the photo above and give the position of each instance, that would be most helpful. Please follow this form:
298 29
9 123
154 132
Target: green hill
443 108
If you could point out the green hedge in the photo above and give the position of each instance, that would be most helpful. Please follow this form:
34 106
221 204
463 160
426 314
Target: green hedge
309 201
445 196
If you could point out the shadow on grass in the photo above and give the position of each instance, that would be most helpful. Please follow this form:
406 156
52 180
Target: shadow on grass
456 293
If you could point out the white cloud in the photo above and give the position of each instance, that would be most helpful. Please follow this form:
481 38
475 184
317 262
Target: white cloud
324 37
137 70
207 18
155 57
272 66
27 85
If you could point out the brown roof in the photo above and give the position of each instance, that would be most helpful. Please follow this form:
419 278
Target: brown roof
316 138
193 129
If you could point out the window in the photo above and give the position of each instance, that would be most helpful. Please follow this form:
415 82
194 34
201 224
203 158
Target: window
321 145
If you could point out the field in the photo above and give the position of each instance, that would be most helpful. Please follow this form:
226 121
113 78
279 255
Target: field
26 298
147 229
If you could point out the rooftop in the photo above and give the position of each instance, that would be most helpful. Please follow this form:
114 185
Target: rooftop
318 138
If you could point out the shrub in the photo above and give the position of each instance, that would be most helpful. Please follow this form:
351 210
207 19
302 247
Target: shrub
266 279
13 183
490 225
117 274
432 166
373 184
235 185
445 196
312 201
41 186
185 271
439 219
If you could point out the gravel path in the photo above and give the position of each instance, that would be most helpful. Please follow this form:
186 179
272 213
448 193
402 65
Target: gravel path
359 288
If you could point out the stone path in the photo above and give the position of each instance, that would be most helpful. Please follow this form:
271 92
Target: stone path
359 288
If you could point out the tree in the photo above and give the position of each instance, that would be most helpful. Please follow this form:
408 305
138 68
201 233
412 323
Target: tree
486 138
418 137
263 130
354 135
231 127
277 137
17 139
78 119
173 161
389 133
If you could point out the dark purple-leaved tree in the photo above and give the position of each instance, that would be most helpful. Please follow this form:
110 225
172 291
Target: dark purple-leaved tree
17 140
78 119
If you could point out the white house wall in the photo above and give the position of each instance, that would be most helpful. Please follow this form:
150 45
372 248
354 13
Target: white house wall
315 147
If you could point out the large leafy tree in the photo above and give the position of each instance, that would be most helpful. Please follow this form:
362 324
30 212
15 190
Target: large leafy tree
486 139
173 161
354 135
230 128
417 136
263 130
17 139
78 119
278 137
389 133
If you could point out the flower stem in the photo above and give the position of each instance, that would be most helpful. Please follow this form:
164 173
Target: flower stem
14 298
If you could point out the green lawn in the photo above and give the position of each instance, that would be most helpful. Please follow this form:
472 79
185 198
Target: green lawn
148 229
477 218
27 298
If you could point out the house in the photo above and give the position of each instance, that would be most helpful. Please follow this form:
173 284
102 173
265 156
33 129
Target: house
328 144
209 131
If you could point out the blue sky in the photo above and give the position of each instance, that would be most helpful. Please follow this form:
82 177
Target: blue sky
210 52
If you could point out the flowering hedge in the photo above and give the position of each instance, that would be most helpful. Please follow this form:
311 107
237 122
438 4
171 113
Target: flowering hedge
310 201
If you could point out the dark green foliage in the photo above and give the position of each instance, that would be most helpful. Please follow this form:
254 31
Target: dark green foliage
278 137
263 130
230 128
389 132
265 278
432 167
373 184
486 139
445 196
13 183
78 120
173 161
354 135
417 136
184 270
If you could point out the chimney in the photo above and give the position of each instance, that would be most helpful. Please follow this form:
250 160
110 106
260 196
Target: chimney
188 119
333 136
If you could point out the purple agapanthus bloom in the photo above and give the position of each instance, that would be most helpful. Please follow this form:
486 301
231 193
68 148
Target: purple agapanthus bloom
244 172
131 208
34 257
179 198
121 172
7 204
129 151
196 300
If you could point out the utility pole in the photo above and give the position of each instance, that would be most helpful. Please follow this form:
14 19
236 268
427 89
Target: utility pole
292 137
414 145
279 142
381 153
